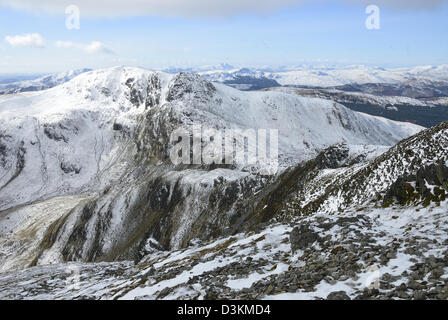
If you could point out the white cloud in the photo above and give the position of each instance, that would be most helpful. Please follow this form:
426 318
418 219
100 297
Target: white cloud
92 47
97 47
33 40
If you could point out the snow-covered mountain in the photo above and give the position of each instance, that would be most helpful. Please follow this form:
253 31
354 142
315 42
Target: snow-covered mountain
40 83
70 132
101 141
373 254
417 95
86 182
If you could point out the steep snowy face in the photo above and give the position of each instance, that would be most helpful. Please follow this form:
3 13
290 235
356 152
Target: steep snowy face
303 124
98 146
58 141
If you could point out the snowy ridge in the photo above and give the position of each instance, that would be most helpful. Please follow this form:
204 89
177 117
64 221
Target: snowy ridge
335 190
41 83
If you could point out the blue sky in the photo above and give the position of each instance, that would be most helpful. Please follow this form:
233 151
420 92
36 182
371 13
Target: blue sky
314 32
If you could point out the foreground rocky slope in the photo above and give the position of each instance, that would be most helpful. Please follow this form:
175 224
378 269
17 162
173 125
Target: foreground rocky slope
374 254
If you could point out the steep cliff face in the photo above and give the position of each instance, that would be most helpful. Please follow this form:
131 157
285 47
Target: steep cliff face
86 175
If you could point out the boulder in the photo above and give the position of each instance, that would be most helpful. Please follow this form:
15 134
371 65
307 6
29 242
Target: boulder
338 295
302 237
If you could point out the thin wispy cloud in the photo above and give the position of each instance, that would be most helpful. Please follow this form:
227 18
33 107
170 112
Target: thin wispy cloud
31 40
403 4
91 48
167 8
189 9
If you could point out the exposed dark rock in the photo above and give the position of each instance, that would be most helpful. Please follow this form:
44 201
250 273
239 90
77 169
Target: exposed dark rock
419 295
434 174
401 191
117 126
3 152
153 92
106 91
430 183
69 167
53 133
302 237
166 291
338 295
186 84
333 157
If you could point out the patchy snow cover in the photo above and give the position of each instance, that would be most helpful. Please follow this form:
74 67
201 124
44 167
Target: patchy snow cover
387 249
335 190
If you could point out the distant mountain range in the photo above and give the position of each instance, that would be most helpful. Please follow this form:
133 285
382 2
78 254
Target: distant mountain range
36 84
324 76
